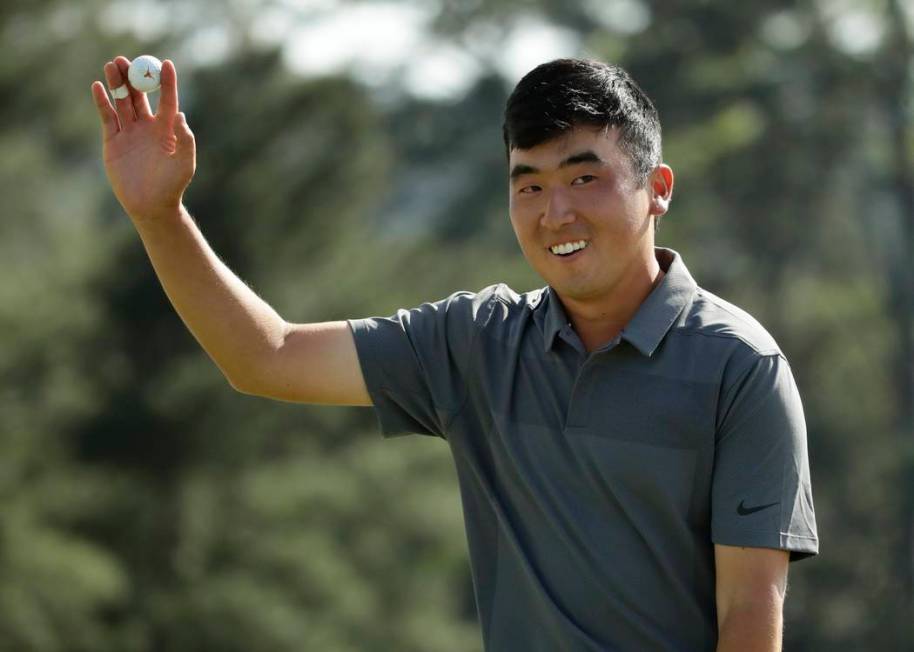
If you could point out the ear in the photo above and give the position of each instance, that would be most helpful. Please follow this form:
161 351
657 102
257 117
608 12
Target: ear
660 185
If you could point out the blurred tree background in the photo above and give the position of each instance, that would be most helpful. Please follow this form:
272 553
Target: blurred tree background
145 505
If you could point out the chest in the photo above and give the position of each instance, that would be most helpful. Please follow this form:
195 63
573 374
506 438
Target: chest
615 394
614 430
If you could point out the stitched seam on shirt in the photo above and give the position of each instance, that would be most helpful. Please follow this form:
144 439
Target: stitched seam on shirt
728 336
466 376
738 530
452 412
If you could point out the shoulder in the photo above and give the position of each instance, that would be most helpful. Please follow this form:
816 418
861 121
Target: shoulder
495 305
498 312
711 316
497 301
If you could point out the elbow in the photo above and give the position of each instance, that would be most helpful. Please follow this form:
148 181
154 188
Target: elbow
255 376
238 379
243 384
240 389
234 381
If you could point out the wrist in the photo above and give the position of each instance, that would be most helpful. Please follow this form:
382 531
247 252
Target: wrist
158 218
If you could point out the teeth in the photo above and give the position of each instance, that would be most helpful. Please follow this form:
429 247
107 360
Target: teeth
568 247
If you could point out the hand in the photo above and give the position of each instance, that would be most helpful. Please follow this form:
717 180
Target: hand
149 160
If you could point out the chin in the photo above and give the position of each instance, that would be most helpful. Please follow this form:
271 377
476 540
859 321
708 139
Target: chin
578 291
568 285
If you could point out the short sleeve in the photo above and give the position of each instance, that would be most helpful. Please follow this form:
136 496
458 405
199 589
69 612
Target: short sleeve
414 363
761 488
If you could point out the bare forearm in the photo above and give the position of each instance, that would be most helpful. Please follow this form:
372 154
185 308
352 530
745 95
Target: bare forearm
752 628
235 327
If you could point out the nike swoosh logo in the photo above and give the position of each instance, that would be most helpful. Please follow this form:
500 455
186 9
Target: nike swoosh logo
742 510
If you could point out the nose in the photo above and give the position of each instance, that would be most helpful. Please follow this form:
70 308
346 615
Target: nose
557 212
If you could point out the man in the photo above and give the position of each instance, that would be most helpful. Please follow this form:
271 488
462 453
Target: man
630 448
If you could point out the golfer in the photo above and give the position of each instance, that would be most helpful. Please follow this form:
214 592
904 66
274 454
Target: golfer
630 448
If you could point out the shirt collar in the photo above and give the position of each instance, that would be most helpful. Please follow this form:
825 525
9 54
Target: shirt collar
651 322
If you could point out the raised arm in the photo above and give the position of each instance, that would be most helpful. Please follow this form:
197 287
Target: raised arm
150 160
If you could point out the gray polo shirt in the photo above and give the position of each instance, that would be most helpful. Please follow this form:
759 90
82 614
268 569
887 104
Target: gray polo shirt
595 485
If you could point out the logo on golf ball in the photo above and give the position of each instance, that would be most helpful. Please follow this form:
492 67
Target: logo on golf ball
144 73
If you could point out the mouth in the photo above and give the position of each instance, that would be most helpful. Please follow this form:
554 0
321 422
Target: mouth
569 250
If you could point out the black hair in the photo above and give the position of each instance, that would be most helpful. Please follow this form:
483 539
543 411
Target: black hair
556 96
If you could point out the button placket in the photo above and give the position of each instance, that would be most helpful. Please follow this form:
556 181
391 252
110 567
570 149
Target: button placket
579 402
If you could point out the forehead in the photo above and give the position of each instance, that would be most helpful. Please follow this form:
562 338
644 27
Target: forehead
601 140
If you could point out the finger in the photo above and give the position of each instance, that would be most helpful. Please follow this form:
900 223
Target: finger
125 106
140 101
105 111
168 101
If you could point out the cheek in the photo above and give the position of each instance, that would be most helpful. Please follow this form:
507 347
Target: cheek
522 207
639 211
602 196
523 215
621 212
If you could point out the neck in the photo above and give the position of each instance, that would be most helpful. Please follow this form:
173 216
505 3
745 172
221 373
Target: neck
599 320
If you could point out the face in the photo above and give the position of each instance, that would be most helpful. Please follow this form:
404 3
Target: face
581 187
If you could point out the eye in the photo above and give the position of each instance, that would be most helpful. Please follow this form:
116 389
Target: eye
587 178
527 190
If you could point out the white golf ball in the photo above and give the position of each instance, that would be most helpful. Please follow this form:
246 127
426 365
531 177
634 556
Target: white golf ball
144 73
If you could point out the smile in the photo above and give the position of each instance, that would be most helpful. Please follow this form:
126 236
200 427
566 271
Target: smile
568 248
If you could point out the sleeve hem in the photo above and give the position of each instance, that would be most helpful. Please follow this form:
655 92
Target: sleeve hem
799 546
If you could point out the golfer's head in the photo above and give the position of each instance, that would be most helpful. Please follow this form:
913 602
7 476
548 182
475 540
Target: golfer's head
555 97
584 166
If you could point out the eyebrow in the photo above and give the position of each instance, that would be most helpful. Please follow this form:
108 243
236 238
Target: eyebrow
587 156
